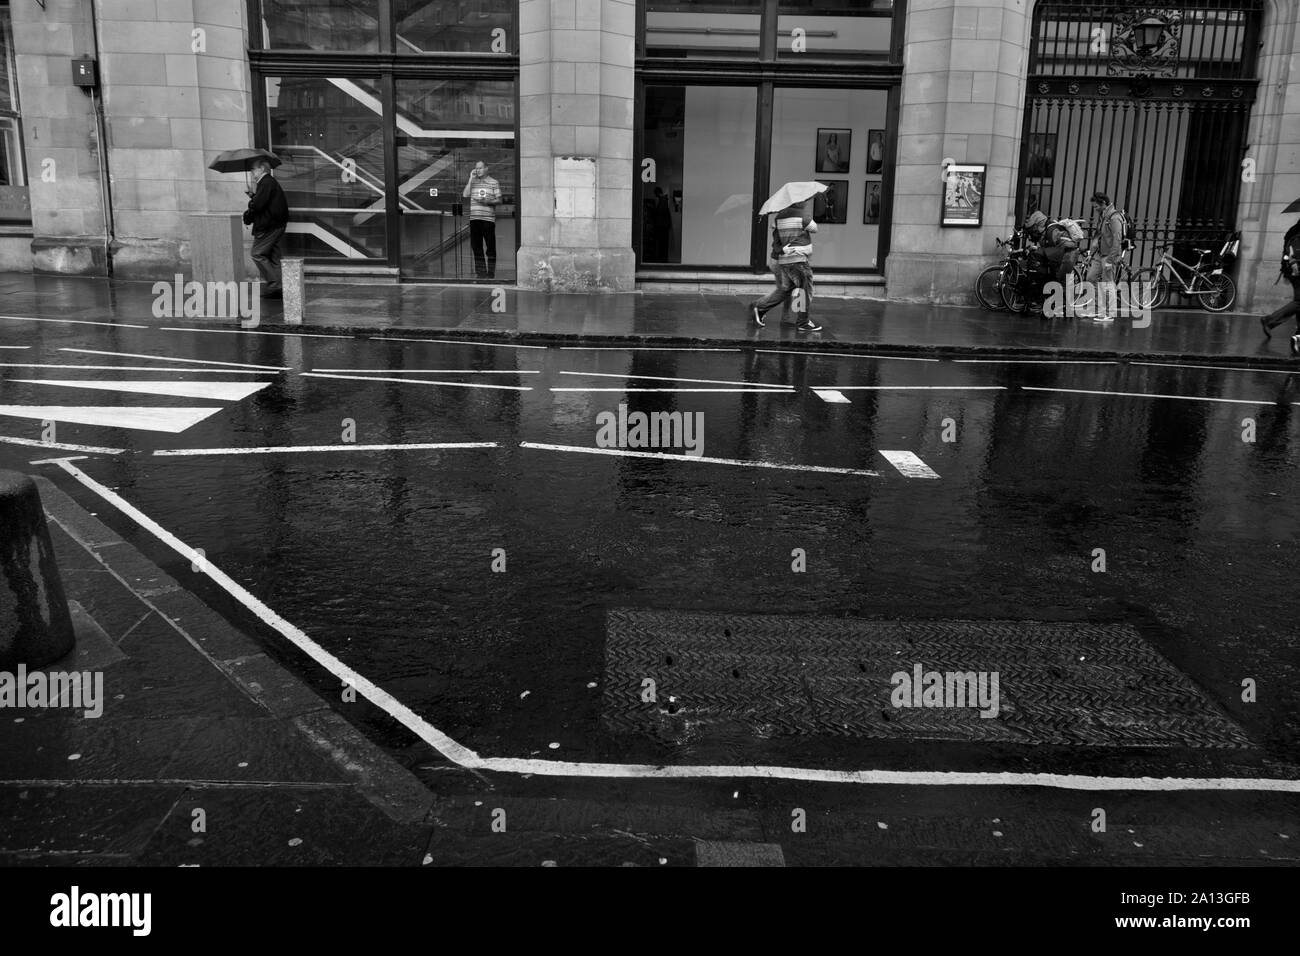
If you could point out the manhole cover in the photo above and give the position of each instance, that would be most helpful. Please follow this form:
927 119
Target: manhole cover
675 676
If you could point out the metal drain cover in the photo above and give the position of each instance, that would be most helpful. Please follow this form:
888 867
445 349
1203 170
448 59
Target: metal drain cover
776 676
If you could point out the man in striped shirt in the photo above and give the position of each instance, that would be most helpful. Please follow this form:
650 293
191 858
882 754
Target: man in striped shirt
791 250
484 194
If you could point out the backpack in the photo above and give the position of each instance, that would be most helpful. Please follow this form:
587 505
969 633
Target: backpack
1073 231
1130 231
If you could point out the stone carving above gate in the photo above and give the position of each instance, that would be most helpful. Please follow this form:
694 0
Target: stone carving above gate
1145 42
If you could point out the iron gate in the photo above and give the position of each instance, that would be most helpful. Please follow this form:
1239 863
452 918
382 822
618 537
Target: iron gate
1148 103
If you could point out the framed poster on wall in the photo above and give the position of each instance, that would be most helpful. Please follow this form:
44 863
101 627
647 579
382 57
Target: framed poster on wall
834 147
963 195
871 204
834 203
875 150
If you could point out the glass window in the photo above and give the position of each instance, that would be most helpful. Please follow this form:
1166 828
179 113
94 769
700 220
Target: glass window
834 28
15 204
836 137
699 210
444 129
328 131
349 25
448 26
696 27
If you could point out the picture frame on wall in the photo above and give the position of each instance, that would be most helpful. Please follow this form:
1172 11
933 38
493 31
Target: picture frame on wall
871 203
834 203
834 149
1040 163
875 150
963 195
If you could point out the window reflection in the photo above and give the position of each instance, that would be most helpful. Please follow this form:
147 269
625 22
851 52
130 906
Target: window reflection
349 25
468 26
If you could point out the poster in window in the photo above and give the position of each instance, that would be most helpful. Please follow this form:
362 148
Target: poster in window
1041 163
871 204
833 148
832 206
875 150
963 195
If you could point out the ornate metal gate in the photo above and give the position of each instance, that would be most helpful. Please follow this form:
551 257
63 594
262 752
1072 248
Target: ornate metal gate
1147 102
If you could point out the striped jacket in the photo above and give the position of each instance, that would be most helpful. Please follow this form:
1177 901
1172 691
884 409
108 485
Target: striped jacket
790 231
484 194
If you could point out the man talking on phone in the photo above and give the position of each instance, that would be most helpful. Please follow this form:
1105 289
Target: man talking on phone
484 194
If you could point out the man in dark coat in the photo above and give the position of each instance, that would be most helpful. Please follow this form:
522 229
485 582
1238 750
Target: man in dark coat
268 214
1290 269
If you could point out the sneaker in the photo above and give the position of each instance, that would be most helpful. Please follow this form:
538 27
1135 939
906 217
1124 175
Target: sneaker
758 317
809 325
1263 324
1295 345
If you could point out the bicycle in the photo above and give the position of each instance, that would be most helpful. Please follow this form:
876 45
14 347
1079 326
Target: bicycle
1206 281
988 284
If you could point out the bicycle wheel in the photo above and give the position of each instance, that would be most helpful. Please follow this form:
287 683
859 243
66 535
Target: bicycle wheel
1152 289
1012 297
1222 294
988 288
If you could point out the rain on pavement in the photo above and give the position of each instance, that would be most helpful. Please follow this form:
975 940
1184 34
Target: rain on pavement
385 557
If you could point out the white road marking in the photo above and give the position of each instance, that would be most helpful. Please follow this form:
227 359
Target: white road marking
857 355
217 391
638 348
1220 368
111 325
61 446
1186 398
489 345
303 335
668 378
372 692
173 358
913 388
831 395
909 465
280 449
15 346
760 391
417 381
173 420
464 757
432 371
1039 361
628 453
138 368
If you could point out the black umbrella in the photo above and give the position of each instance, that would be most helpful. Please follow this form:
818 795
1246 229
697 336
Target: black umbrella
241 160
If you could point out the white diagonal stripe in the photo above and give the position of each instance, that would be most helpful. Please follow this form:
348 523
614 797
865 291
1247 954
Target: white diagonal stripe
173 358
909 465
172 420
217 391
417 381
667 378
628 453
831 395
282 449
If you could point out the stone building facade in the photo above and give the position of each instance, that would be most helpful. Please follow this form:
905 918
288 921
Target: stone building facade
632 139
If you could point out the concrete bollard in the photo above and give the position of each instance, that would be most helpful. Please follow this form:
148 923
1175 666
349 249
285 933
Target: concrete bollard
35 626
294 290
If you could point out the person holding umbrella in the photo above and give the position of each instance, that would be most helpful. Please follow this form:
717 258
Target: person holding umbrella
1290 271
791 251
268 214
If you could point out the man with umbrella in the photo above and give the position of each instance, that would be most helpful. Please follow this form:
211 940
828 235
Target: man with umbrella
791 250
1291 271
268 214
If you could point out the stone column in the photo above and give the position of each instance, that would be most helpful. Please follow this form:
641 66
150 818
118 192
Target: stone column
1274 139
577 62
962 99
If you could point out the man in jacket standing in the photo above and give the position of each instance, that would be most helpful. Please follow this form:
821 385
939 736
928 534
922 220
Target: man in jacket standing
268 214
484 194
1107 248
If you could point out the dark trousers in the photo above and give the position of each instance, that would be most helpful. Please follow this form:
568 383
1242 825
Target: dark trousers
266 256
795 275
483 243
1278 316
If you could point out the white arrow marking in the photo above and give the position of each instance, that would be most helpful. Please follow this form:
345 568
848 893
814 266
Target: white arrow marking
217 391
173 420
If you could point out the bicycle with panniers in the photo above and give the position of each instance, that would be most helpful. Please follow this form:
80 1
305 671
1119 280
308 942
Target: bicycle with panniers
1206 281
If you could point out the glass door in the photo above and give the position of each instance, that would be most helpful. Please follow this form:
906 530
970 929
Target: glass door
458 218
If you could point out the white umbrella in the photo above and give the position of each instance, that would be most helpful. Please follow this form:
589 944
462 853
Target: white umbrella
791 194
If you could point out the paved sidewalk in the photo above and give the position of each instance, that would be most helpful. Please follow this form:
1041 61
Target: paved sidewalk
681 319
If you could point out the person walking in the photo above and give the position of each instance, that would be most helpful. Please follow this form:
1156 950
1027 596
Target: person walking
484 194
268 214
791 251
1291 271
1107 248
